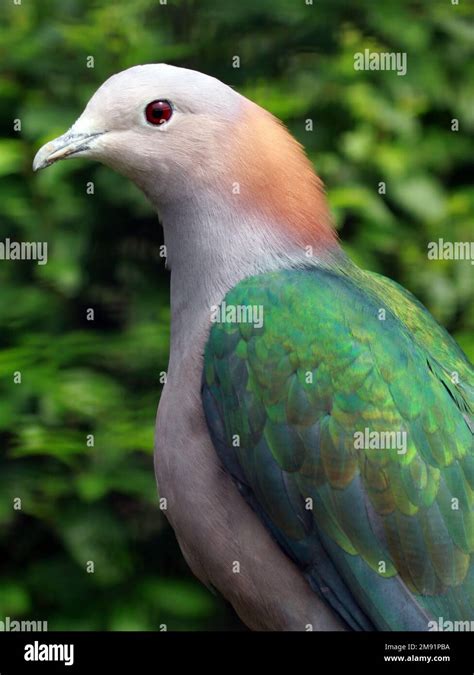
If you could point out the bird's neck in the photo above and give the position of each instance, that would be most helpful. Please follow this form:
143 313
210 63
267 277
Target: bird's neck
211 245
260 207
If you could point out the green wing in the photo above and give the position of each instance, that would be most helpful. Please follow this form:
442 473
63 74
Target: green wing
380 523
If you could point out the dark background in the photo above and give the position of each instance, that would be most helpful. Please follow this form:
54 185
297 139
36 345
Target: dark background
102 377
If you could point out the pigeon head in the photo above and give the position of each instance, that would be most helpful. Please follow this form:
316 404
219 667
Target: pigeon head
180 134
153 121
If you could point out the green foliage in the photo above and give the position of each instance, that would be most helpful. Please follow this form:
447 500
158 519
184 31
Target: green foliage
101 377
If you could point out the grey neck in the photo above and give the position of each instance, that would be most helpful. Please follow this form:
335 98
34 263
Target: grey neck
210 247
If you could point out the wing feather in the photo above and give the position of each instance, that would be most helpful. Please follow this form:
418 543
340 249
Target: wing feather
384 534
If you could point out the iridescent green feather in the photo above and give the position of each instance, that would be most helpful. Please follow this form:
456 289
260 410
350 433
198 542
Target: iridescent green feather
386 535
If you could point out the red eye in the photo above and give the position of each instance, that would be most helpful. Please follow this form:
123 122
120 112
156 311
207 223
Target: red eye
158 112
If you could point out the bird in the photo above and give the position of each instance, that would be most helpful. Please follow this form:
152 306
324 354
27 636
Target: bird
314 438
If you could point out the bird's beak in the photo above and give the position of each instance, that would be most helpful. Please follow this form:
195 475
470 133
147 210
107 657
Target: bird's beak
63 147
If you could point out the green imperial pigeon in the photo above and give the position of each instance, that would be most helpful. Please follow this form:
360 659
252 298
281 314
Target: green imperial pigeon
314 443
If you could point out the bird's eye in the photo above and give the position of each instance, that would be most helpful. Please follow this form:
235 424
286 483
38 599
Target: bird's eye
158 112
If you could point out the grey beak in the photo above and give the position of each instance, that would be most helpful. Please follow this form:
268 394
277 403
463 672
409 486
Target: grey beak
63 147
